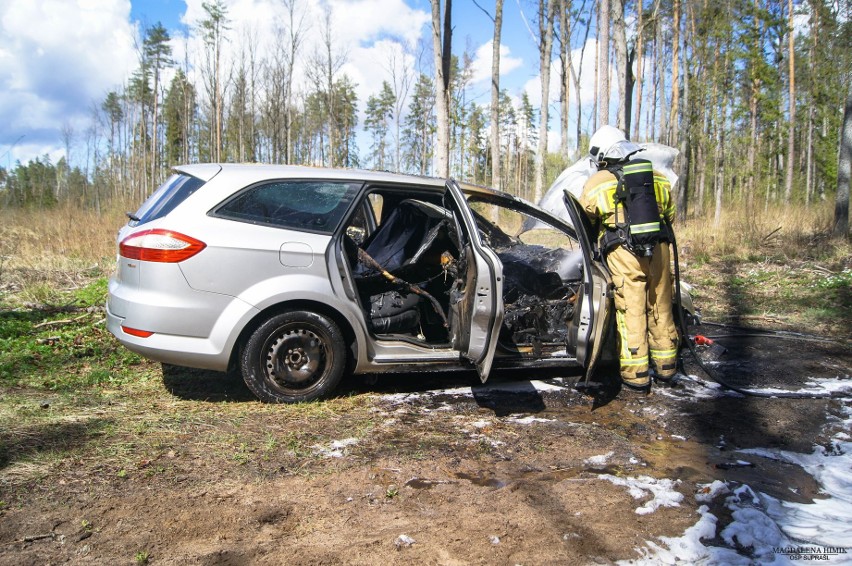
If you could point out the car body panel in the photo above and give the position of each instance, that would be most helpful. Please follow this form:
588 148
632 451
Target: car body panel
211 352
238 255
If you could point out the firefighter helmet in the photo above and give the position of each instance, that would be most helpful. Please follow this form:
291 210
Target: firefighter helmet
610 144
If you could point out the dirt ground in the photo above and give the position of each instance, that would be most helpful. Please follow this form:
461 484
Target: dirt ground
419 469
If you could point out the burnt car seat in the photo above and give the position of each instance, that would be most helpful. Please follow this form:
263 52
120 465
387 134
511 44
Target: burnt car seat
408 244
399 239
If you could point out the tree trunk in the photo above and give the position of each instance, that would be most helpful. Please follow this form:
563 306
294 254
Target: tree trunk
441 47
623 72
684 140
577 77
661 77
546 9
809 160
217 105
791 132
844 170
329 93
565 73
640 53
603 62
295 41
154 125
701 167
755 84
720 146
495 96
673 115
651 117
714 116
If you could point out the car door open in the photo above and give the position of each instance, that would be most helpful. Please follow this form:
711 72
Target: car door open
476 302
593 302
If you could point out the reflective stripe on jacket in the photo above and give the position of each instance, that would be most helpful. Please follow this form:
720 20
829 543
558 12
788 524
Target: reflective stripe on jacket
598 198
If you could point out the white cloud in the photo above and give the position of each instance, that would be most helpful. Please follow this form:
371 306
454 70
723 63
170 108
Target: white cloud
369 66
57 57
587 92
365 33
365 21
482 62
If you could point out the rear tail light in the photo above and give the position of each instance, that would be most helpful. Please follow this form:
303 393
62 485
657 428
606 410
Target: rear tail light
159 245
136 332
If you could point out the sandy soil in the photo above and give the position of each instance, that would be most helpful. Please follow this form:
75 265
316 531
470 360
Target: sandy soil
510 474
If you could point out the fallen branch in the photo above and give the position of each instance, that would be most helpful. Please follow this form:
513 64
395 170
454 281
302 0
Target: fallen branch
33 538
60 322
767 237
367 259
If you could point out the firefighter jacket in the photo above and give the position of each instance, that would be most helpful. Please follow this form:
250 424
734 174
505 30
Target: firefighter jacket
599 203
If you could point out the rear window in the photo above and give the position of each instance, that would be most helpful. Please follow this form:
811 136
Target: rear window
170 194
303 205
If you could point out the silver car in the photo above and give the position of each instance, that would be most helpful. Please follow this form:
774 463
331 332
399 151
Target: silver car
299 275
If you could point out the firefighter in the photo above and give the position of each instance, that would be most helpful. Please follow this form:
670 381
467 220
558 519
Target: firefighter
632 206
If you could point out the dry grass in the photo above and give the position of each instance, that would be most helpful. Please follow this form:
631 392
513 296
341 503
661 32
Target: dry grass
42 251
791 233
777 269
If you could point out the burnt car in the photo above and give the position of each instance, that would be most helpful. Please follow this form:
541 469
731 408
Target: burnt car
297 276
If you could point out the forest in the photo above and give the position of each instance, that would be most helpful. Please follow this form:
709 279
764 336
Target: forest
751 92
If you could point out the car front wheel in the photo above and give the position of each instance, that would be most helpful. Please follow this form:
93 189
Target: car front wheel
293 357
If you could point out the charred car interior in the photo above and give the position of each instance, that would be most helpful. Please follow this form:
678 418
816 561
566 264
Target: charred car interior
409 260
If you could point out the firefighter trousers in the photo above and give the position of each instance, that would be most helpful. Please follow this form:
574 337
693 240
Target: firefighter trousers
643 312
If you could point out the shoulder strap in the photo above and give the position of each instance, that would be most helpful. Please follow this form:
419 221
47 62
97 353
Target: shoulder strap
617 170
620 196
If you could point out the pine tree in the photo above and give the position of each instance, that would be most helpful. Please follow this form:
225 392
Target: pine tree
179 110
240 142
346 114
213 29
158 54
419 127
377 120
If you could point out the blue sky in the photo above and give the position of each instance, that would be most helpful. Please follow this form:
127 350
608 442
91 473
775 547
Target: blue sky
59 58
168 12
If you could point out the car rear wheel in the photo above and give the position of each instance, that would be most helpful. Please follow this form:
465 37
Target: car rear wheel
293 357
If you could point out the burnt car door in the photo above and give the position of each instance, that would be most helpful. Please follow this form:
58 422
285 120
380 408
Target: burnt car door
595 306
476 303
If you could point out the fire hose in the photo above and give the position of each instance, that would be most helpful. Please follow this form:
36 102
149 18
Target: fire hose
712 375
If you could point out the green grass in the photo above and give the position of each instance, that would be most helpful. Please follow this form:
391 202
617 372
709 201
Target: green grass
63 344
797 296
74 401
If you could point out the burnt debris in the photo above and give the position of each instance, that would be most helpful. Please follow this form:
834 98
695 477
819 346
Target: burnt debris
407 270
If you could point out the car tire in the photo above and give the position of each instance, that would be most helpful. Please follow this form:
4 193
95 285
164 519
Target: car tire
293 357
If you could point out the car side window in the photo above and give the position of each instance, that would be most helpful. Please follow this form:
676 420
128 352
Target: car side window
316 206
174 191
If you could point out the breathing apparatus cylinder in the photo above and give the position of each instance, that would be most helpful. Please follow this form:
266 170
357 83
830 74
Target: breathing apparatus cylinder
635 192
